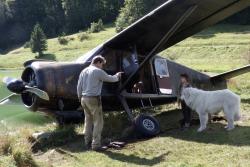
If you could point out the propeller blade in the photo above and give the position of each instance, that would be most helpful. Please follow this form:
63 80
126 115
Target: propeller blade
8 80
40 93
17 86
11 99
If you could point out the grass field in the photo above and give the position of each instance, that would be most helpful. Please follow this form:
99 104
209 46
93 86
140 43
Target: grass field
218 49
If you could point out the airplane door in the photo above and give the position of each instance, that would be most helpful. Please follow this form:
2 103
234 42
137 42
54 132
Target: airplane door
162 76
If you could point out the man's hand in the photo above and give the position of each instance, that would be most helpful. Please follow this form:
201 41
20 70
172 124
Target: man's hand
119 74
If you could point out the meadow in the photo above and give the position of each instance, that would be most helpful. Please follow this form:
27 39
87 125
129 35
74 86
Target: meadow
215 50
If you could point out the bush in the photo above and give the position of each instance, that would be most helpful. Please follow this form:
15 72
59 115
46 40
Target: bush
5 145
71 38
82 36
27 44
63 40
96 27
21 152
100 24
23 158
120 24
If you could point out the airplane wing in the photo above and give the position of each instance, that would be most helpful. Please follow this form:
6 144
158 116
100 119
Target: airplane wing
232 73
167 25
149 30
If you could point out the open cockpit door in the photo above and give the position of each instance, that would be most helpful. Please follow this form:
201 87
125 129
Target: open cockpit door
162 76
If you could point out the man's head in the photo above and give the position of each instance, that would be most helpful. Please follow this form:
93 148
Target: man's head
98 61
184 78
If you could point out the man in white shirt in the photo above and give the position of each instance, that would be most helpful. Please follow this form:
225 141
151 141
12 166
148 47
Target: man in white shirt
89 89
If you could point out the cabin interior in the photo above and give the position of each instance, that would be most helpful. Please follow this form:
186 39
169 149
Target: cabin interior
128 62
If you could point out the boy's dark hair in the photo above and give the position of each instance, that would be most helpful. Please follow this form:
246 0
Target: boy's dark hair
98 59
184 75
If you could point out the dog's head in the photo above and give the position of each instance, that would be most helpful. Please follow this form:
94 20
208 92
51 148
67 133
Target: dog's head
186 95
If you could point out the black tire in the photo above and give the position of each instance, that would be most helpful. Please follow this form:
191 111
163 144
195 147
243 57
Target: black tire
147 125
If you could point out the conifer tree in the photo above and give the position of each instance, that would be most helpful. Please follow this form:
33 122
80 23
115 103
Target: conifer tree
38 40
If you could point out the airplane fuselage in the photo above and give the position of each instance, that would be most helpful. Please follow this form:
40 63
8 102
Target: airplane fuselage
59 80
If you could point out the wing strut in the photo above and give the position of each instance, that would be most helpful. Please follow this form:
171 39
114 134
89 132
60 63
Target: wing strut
165 38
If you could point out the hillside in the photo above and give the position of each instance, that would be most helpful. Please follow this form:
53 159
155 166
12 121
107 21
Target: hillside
217 49
69 52
216 45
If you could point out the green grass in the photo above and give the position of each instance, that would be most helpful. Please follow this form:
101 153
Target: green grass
215 50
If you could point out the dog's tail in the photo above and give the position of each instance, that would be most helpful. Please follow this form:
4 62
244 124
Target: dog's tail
237 115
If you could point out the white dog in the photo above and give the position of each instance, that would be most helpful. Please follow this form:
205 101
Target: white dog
205 102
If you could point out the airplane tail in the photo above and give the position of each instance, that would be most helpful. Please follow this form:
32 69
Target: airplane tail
231 74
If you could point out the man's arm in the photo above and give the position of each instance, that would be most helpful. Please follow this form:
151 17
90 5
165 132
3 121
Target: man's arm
103 76
79 87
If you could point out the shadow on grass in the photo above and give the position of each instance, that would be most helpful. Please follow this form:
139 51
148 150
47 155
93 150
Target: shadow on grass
47 56
78 147
65 137
245 100
215 133
135 159
203 36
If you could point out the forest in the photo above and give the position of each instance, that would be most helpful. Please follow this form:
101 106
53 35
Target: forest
18 17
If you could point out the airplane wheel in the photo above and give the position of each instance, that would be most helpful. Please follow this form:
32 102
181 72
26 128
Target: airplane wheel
147 125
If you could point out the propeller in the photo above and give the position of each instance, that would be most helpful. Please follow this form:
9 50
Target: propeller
8 80
40 93
11 99
18 87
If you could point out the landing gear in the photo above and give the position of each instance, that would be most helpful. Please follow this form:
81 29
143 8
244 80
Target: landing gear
144 124
147 125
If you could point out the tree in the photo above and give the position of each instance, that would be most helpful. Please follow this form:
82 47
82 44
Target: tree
53 22
134 10
38 41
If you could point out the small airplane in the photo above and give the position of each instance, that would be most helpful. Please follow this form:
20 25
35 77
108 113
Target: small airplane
149 80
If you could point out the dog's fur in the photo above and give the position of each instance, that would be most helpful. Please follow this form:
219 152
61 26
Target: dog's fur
211 102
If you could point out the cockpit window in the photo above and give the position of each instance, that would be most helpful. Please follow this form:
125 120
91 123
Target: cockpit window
130 63
161 67
112 64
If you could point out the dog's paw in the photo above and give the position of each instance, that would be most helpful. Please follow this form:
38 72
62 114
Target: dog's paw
201 129
229 129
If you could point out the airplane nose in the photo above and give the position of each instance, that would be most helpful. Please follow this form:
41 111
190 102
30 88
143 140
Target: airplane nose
14 85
